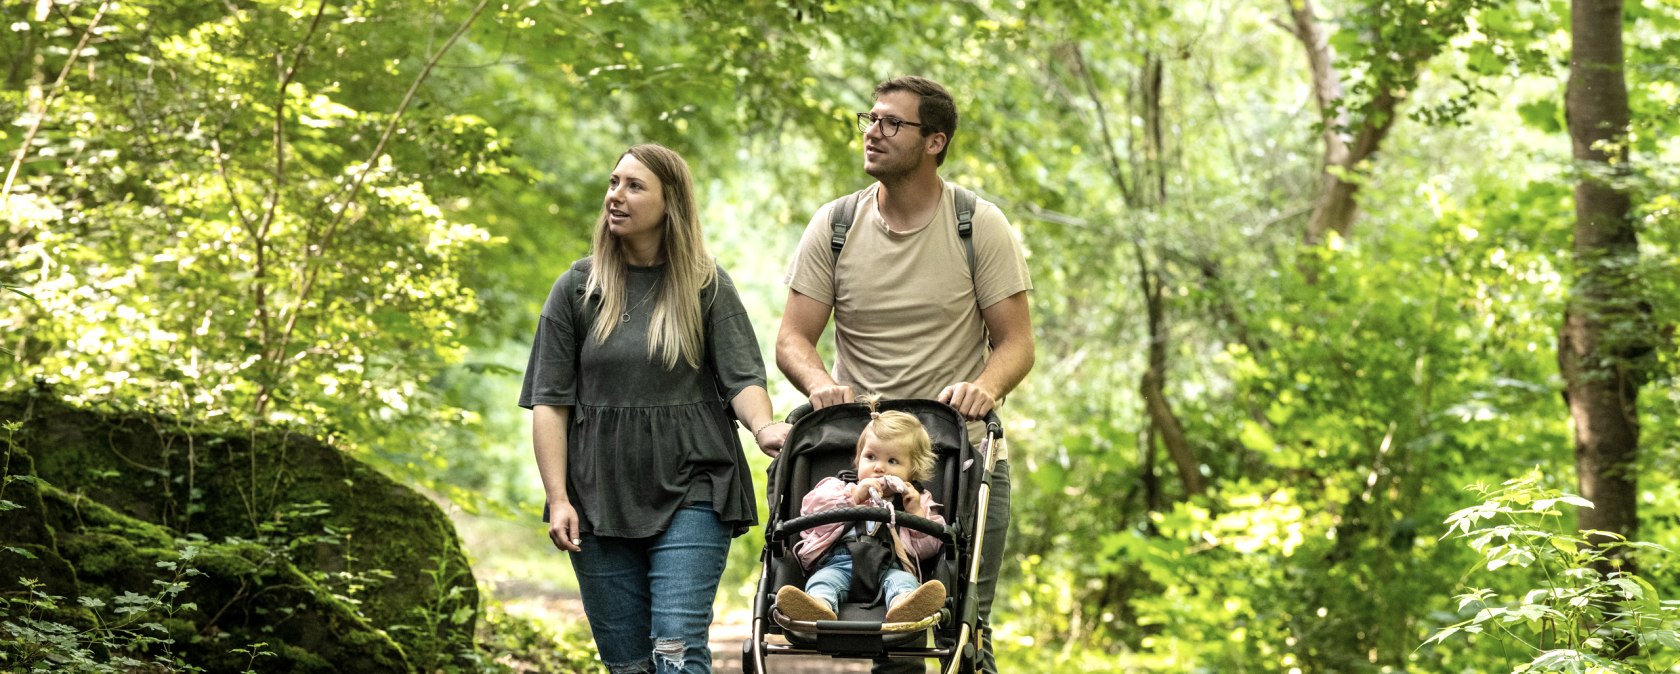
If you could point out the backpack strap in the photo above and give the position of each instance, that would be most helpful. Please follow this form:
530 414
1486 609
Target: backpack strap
845 210
965 203
840 221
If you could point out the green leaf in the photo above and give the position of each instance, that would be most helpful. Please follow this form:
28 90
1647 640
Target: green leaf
1545 115
1049 477
1256 437
1664 638
1575 501
1441 635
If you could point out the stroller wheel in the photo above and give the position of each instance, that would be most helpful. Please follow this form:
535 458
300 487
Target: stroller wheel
968 661
748 666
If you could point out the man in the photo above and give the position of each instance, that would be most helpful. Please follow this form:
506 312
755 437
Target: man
913 318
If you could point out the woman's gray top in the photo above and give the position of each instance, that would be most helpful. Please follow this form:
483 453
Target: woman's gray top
645 441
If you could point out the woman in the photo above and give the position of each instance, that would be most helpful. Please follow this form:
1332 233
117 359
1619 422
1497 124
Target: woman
642 353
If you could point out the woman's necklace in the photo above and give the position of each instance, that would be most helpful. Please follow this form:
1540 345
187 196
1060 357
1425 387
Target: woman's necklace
625 317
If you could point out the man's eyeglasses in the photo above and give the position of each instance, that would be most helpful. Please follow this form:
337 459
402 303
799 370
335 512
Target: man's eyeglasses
889 125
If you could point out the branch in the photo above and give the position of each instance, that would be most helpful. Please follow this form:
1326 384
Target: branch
1151 89
1335 206
1327 86
1038 212
1152 386
1118 173
306 285
1379 118
1225 125
259 235
221 170
46 104
280 121
391 127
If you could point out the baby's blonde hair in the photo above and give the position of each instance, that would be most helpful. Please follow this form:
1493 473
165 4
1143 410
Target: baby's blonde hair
902 430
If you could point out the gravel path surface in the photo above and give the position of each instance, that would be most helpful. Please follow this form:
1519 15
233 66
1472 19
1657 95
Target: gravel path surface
729 630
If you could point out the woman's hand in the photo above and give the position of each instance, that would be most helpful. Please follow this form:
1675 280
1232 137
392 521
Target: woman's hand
563 526
772 438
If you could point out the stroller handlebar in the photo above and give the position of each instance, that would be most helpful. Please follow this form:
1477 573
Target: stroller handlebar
994 425
791 528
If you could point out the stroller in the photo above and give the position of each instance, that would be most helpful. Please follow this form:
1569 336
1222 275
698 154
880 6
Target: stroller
821 445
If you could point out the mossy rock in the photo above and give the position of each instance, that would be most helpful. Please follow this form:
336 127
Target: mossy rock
27 544
332 564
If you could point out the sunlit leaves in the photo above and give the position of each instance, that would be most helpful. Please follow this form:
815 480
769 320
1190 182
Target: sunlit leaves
1335 415
1571 613
209 258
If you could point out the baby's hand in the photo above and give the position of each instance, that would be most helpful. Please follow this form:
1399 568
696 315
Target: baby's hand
913 503
860 491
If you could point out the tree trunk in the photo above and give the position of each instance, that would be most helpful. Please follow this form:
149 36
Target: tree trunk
1337 205
1595 350
1152 385
1152 498
30 54
1163 422
1150 193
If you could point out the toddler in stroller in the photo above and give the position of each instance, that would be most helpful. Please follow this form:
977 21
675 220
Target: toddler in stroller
894 457
823 444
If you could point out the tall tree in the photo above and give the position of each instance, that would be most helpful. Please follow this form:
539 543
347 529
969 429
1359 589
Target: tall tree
1147 191
1359 90
228 210
1600 337
1335 207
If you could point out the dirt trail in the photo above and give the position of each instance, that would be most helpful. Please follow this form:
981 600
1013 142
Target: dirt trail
729 630
523 576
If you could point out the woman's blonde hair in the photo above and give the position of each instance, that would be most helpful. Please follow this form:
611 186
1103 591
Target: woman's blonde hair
677 328
903 430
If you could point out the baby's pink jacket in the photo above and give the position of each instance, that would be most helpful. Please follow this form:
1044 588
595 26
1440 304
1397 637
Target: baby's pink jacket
833 493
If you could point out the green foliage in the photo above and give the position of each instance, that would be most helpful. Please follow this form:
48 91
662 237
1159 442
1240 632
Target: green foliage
451 605
202 234
344 548
1571 615
45 634
183 236
509 642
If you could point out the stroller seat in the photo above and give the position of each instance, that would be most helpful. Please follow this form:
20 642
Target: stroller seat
822 444
865 614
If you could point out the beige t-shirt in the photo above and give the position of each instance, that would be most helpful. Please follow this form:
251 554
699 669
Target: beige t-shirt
906 308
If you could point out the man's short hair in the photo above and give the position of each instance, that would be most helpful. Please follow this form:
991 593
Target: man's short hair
937 110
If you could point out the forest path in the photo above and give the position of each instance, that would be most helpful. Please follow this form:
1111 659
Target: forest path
531 581
557 607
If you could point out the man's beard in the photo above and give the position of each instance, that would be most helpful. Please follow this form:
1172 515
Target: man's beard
891 171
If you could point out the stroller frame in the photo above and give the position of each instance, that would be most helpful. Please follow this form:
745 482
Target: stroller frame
814 450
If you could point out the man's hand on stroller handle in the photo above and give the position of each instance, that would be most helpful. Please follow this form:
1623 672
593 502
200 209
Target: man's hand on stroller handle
970 399
563 526
833 394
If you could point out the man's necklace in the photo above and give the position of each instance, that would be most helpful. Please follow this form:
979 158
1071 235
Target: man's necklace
625 318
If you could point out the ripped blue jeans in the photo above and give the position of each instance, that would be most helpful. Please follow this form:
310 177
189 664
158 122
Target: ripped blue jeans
649 600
